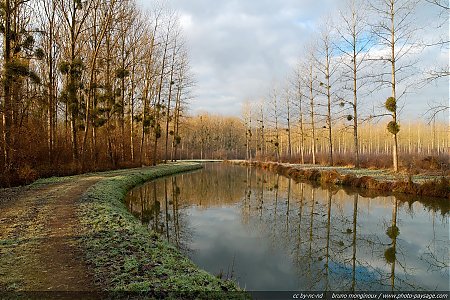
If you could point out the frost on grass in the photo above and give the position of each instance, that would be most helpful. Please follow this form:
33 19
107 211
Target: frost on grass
125 255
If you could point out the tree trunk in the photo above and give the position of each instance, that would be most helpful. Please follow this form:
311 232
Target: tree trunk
329 120
313 129
302 132
7 110
166 155
133 88
176 140
157 128
51 87
289 129
393 83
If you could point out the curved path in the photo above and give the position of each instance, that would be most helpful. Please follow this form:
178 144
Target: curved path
39 231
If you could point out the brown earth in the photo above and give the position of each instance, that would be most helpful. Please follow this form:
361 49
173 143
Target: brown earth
39 234
383 181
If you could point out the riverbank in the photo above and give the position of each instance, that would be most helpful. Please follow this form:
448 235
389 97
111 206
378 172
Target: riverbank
75 234
377 180
124 254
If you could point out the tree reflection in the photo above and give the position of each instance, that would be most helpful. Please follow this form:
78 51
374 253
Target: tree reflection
175 210
355 223
391 253
155 211
299 230
327 255
288 204
166 202
332 238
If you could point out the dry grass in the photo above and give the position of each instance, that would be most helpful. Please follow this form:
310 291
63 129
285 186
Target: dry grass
379 180
411 163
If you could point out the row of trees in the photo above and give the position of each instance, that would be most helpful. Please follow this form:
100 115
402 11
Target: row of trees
207 136
212 137
371 49
88 85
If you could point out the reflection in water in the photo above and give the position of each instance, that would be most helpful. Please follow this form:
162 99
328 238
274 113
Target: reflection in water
272 233
391 253
355 222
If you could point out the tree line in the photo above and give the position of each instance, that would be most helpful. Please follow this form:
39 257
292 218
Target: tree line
253 137
89 85
369 49
99 84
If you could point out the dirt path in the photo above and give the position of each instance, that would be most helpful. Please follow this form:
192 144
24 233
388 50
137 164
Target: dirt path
39 230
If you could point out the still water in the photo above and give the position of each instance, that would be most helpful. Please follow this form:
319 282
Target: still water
268 232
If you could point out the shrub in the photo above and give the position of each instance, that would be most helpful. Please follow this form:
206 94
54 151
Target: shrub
393 127
391 104
27 174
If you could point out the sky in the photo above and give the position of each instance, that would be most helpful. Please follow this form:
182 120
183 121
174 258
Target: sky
241 49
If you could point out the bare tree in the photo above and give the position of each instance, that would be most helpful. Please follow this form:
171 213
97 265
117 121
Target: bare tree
49 26
311 81
354 45
310 85
125 16
159 101
139 31
18 52
262 121
288 121
101 21
327 67
442 41
307 88
176 50
74 15
440 3
184 83
395 31
300 96
247 118
149 80
275 115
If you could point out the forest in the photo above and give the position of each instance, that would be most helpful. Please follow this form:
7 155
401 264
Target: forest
103 84
89 85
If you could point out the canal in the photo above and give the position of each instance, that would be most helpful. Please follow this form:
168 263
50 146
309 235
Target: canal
268 232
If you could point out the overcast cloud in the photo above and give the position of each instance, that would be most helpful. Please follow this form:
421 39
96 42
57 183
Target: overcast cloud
240 48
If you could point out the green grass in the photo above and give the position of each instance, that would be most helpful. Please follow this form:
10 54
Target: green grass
125 255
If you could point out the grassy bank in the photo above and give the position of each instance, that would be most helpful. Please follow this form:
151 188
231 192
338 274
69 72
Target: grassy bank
125 255
379 180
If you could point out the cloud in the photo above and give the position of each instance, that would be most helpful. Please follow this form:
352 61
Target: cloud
239 48
186 21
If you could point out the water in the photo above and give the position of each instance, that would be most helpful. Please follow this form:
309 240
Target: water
268 232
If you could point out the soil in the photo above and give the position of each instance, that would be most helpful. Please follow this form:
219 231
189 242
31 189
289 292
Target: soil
39 238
